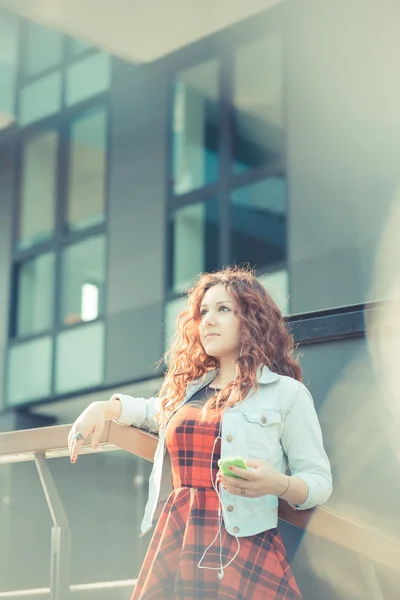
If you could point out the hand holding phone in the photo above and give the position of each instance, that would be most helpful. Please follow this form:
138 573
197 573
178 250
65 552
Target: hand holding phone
234 461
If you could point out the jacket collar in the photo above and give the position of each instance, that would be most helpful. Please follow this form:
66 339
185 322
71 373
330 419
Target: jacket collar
264 376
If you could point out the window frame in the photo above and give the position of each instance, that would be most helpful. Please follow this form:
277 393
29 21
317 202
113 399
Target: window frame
221 47
63 237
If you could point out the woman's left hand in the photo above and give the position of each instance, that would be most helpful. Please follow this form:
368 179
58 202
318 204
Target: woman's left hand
258 480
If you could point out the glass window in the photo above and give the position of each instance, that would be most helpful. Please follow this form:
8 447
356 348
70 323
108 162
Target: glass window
80 357
87 172
88 77
258 216
83 279
35 295
77 47
40 99
194 238
277 285
8 60
257 104
196 127
43 48
38 189
173 310
29 370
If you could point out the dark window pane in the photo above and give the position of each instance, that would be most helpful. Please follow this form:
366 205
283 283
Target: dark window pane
29 370
40 99
80 358
35 295
38 189
196 127
8 61
88 77
257 104
86 189
43 48
258 213
83 279
194 242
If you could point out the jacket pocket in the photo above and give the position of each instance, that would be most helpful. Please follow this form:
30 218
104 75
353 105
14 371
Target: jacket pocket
264 428
265 418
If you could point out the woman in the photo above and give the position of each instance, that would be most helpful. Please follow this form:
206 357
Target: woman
232 388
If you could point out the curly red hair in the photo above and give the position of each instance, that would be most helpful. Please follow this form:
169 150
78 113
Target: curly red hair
265 340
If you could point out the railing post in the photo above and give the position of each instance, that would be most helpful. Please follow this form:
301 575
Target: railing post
370 579
60 561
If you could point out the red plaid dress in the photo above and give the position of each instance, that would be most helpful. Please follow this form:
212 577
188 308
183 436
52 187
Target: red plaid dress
189 522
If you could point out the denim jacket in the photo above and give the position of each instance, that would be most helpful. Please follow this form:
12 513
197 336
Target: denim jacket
277 424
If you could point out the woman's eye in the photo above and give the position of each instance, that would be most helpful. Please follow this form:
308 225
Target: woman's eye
220 308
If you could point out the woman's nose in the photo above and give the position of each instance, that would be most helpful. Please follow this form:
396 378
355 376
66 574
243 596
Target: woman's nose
209 319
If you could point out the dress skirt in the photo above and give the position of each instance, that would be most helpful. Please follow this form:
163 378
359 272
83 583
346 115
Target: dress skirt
189 523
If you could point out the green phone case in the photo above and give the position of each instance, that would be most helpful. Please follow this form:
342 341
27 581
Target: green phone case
234 461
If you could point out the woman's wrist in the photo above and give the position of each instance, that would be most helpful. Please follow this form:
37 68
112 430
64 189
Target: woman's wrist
291 488
282 484
112 408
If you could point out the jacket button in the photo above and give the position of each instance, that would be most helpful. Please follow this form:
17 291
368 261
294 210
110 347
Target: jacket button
263 419
229 438
236 529
230 508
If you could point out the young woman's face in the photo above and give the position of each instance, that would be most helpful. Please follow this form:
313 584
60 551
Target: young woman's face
219 326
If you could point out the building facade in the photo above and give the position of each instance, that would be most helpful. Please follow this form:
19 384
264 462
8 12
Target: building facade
273 142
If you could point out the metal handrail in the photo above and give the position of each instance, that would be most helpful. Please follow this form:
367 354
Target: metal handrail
79 587
41 444
20 446
338 528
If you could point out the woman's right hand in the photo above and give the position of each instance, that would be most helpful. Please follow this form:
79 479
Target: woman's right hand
90 422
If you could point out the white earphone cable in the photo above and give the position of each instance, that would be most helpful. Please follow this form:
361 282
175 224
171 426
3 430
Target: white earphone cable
221 511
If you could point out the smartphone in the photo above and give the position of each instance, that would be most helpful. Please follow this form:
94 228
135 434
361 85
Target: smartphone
234 461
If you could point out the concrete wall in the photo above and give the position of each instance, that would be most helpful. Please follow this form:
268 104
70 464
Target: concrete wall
342 95
137 191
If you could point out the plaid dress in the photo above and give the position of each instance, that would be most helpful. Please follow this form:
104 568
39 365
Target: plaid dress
189 523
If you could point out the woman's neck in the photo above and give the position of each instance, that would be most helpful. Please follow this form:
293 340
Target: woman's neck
226 373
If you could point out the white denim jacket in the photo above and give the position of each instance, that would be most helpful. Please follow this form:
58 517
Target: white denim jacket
279 424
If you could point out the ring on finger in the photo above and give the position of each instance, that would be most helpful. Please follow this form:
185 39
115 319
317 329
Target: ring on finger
78 436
